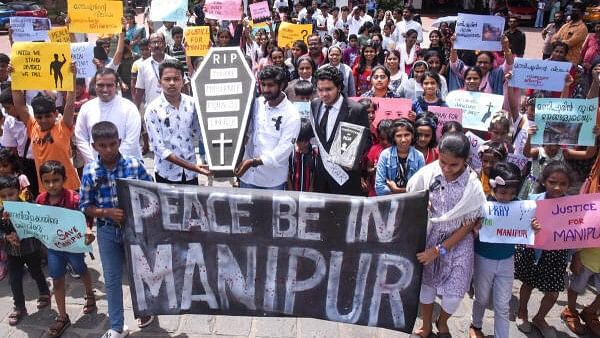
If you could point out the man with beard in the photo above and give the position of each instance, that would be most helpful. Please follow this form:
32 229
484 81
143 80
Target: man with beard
573 33
548 33
315 50
108 106
274 126
407 23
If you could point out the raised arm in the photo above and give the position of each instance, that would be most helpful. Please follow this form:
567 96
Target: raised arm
69 111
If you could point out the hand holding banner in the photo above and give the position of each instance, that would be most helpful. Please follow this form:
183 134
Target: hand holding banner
289 33
508 223
57 228
197 40
539 74
223 9
570 222
95 16
565 121
41 65
479 32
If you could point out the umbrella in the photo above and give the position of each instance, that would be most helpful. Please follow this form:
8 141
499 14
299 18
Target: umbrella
447 19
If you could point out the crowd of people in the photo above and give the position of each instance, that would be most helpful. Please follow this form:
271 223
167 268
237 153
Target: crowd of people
67 149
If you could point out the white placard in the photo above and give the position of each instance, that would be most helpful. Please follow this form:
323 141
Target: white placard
26 28
83 55
508 223
220 89
479 32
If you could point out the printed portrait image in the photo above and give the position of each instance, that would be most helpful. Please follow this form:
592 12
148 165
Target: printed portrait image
491 33
561 132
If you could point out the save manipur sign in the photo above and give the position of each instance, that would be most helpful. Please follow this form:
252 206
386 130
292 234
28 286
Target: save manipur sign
274 253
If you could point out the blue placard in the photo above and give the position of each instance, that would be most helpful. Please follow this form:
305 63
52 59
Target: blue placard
565 121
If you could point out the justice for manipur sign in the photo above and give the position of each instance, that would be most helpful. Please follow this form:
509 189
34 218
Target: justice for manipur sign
274 253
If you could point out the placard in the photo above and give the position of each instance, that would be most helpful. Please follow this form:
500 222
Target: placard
197 40
225 251
260 11
95 16
59 34
303 108
82 54
289 33
568 222
476 141
518 160
348 145
169 10
57 228
41 65
223 9
478 108
29 28
445 114
479 32
387 108
539 74
508 223
565 121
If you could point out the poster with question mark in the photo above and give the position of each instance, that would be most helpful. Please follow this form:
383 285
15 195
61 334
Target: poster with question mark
290 33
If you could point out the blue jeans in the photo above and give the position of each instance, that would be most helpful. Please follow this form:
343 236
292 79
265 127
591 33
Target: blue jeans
252 186
539 19
112 255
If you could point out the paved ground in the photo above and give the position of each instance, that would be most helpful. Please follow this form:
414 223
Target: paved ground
199 326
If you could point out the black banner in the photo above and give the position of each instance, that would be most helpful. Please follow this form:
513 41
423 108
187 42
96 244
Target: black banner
273 253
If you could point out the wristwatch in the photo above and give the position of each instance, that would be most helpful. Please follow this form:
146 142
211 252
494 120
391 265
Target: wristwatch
440 248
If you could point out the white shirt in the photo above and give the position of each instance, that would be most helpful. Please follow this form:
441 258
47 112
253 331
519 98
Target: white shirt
120 111
173 130
354 25
334 111
147 78
279 3
15 135
272 134
403 26
167 34
333 24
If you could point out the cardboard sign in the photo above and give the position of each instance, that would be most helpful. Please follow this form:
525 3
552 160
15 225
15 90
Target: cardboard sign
95 16
539 74
83 56
508 223
59 34
388 109
223 9
260 11
565 121
303 109
29 28
518 160
568 222
169 10
445 114
41 65
197 40
289 33
476 141
479 32
57 228
223 88
348 145
205 250
478 108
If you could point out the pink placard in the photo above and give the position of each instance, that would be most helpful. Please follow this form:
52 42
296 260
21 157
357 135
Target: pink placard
224 9
445 114
388 108
260 11
569 222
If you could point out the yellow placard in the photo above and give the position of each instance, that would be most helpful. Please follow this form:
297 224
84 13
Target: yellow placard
197 40
41 65
290 33
95 16
59 34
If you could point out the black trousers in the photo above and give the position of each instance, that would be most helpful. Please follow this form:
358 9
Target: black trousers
160 179
16 265
30 171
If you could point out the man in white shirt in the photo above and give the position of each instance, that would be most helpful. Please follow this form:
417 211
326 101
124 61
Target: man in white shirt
355 20
271 135
322 19
173 128
108 106
406 24
166 30
279 4
334 21
147 85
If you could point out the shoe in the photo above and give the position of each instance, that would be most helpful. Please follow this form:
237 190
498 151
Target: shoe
144 321
591 321
571 320
524 325
115 334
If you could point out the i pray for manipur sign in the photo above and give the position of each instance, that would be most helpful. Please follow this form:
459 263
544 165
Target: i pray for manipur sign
274 253
41 65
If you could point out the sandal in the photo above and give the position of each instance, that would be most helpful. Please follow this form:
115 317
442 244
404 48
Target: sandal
90 304
59 327
43 301
15 317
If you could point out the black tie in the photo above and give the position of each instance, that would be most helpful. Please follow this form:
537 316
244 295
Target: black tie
323 123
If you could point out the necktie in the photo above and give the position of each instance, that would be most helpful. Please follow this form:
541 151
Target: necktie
323 122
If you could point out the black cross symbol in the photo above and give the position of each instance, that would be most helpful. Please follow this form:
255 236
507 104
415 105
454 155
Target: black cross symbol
277 122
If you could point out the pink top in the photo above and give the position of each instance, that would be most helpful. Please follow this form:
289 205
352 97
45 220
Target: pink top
590 49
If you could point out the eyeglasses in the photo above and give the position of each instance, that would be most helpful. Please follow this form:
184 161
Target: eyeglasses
43 140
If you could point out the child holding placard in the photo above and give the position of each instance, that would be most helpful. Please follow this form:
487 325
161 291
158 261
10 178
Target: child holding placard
494 263
543 269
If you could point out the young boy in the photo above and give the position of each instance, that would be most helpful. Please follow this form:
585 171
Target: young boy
352 51
303 93
177 50
53 176
20 253
303 160
99 200
50 137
